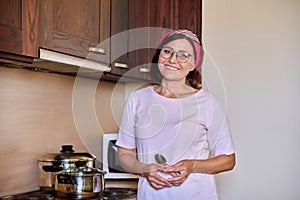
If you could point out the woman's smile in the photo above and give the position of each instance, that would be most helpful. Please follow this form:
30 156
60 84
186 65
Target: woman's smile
172 67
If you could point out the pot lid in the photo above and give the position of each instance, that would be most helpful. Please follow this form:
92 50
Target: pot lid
81 169
75 156
67 154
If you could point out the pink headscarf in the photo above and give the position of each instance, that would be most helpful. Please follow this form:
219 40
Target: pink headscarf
190 35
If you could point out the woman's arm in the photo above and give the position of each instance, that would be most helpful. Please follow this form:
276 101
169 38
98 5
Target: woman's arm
212 165
128 161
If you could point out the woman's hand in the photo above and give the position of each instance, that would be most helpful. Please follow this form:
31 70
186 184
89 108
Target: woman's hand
155 180
128 161
180 171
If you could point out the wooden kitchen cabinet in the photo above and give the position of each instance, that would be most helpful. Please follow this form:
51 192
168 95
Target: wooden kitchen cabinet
76 27
132 60
108 31
19 29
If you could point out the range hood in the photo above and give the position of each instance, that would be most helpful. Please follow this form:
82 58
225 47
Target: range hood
73 61
50 61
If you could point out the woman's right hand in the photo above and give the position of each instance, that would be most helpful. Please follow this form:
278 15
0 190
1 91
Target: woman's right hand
128 161
151 173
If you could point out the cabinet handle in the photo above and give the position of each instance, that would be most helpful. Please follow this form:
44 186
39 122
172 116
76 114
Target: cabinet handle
121 65
144 70
96 50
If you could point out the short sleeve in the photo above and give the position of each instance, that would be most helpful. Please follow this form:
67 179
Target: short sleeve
219 135
126 137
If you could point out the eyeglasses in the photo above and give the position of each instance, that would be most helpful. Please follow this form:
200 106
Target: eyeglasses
182 56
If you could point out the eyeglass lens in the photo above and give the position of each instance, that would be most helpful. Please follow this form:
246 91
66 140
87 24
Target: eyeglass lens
181 56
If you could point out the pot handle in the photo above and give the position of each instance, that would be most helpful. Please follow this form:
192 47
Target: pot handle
80 163
52 168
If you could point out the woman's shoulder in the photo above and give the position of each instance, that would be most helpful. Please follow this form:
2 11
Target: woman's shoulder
141 92
209 99
203 93
206 96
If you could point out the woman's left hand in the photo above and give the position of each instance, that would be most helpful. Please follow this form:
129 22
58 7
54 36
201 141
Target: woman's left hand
180 171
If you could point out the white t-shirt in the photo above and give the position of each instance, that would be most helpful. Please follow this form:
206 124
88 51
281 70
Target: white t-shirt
192 127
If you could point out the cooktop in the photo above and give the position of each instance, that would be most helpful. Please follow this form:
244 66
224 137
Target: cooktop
109 194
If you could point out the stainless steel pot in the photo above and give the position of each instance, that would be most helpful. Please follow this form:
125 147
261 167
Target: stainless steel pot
50 164
80 182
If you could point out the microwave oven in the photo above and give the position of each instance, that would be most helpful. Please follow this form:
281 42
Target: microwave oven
110 162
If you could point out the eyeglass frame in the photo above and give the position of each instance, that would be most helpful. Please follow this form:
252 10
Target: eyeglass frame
172 51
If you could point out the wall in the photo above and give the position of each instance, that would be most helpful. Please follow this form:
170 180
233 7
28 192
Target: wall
252 64
41 111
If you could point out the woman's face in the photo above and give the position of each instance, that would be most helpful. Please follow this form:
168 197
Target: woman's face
180 62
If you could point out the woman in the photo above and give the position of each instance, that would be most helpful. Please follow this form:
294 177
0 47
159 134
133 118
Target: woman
179 120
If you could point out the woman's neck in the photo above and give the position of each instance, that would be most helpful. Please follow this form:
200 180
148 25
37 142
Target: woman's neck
174 89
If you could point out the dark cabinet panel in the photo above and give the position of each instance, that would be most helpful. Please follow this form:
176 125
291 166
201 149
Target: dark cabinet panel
121 33
19 27
74 27
119 36
77 28
190 15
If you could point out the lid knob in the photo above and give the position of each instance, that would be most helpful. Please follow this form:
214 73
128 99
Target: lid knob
67 149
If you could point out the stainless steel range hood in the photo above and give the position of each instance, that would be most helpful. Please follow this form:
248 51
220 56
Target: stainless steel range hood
73 61
50 61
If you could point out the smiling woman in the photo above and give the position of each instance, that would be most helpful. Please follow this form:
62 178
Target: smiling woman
194 56
180 120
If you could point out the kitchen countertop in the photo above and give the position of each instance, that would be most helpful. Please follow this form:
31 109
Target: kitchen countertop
118 194
121 184
132 184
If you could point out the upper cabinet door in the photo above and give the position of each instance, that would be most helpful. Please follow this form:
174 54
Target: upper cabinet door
119 36
115 32
132 24
188 15
77 28
19 27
